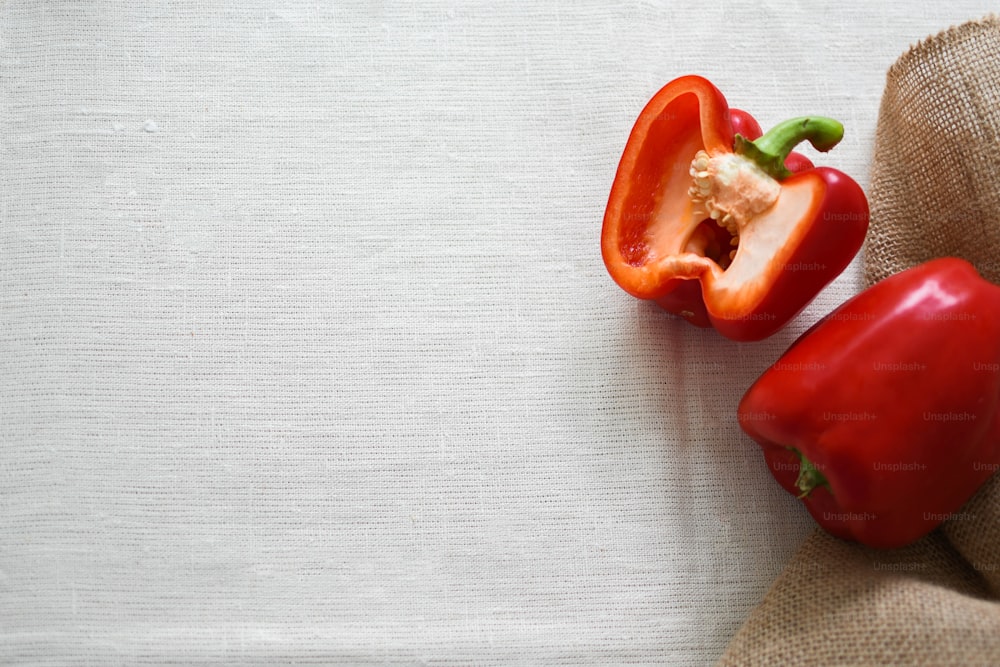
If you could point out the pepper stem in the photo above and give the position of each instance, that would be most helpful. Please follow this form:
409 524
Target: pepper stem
809 475
770 150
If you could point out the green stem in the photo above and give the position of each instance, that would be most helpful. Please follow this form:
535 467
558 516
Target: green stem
770 150
809 475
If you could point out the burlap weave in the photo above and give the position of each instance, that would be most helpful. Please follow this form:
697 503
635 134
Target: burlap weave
935 191
935 188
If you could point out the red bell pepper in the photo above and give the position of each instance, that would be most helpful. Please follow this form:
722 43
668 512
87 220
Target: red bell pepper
884 418
707 218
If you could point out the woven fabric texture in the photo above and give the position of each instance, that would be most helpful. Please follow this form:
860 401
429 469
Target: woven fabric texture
308 356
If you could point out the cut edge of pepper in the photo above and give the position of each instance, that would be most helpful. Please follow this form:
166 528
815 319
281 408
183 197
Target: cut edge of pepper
730 189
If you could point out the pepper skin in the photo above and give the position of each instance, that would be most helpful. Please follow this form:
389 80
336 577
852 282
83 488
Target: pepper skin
713 225
884 418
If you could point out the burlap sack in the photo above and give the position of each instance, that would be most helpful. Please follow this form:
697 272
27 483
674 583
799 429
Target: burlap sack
935 191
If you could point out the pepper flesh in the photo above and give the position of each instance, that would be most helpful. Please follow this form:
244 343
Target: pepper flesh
683 200
884 418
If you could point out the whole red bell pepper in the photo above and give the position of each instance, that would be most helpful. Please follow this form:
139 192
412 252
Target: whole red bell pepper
722 226
884 418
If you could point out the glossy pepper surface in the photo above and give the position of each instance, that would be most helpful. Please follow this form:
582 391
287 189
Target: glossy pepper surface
722 226
884 418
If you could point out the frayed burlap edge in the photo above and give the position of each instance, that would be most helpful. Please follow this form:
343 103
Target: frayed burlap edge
939 40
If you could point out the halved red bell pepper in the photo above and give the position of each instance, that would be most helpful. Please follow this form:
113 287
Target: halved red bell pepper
884 418
713 225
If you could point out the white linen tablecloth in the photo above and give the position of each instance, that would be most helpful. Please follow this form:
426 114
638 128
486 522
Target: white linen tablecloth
307 353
